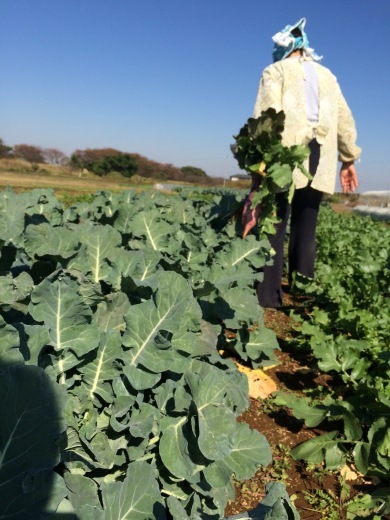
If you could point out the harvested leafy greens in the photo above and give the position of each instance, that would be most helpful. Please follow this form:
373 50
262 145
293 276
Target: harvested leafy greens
259 150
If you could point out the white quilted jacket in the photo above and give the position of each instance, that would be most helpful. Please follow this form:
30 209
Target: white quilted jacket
281 87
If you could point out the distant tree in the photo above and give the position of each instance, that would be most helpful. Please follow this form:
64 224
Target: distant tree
55 156
4 150
193 171
155 170
90 156
94 160
30 153
104 160
121 163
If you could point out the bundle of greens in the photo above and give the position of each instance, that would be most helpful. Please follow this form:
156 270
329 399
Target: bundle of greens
259 151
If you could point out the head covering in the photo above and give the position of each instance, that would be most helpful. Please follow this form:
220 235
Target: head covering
291 38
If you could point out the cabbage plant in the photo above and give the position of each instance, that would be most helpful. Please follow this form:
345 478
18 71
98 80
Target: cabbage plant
117 402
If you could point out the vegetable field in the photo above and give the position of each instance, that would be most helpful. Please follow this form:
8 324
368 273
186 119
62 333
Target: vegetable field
347 330
332 413
115 400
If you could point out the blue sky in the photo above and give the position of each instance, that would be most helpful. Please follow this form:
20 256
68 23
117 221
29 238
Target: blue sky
174 80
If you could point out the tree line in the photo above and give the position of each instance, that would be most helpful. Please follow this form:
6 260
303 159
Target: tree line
102 161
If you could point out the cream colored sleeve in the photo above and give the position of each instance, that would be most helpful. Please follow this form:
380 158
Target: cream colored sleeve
270 92
346 133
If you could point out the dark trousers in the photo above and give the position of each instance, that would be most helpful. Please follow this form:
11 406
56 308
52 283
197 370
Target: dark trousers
302 245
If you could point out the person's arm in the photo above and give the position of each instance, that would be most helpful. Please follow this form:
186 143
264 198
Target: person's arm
348 177
349 152
346 133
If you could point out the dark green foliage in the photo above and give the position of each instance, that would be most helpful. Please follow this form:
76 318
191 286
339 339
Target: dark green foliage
121 163
260 140
105 160
193 171
259 150
4 149
348 332
122 303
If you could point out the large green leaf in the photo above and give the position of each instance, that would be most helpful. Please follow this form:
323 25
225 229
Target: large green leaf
136 498
124 217
102 367
216 421
361 454
281 174
146 322
176 508
141 378
45 239
175 445
195 344
42 205
31 408
101 449
239 251
39 496
58 304
250 450
260 345
245 306
66 511
110 313
142 421
100 244
15 289
325 447
158 234
12 215
233 263
9 344
139 266
81 491
312 415
37 338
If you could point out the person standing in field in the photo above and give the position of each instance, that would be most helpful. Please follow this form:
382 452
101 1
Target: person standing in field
316 115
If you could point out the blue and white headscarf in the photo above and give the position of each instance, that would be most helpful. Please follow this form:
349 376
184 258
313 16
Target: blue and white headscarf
291 38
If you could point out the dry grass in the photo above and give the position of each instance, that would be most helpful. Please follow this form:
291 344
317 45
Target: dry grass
31 180
72 184
19 175
19 166
14 164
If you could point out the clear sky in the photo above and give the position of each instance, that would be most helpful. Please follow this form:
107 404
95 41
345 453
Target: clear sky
174 80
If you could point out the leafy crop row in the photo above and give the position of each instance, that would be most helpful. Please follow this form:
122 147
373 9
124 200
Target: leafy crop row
114 399
348 332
